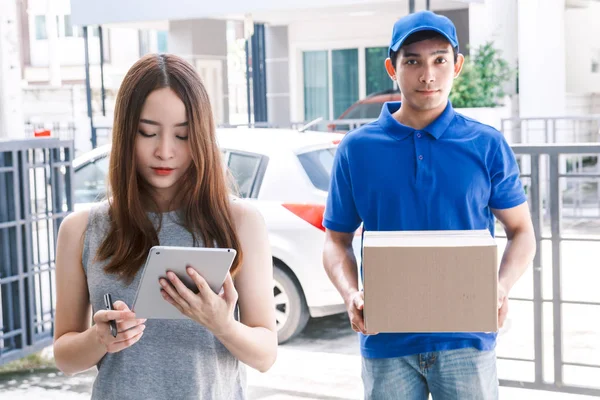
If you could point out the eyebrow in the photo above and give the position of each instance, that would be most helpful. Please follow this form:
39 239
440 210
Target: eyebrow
441 51
150 122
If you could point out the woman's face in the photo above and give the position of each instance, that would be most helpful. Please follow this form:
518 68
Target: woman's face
162 148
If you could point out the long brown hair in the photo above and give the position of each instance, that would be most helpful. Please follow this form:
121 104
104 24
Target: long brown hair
203 196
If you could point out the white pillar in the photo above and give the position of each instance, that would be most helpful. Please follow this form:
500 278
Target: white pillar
496 21
542 63
204 43
53 44
11 103
278 75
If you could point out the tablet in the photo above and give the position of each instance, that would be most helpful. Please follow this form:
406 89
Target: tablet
212 264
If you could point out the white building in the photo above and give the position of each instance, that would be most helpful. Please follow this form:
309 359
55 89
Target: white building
554 43
53 45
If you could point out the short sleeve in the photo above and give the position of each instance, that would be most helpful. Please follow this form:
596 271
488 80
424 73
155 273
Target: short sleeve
507 189
341 214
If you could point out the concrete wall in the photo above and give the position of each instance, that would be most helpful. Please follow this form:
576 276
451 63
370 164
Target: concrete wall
582 37
67 50
278 75
496 21
583 104
542 64
204 43
11 109
93 12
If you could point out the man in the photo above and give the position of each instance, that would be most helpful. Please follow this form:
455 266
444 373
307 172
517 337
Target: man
422 166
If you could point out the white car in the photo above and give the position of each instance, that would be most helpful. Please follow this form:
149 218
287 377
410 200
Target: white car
285 174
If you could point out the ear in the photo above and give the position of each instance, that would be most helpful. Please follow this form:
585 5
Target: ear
389 67
460 60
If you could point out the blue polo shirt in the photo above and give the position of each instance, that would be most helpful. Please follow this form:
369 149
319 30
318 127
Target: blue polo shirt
447 176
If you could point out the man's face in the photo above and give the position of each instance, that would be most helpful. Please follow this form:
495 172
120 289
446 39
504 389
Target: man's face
425 72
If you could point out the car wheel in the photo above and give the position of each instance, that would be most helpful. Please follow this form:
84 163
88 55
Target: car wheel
291 311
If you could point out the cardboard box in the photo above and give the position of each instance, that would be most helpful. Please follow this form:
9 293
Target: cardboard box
430 281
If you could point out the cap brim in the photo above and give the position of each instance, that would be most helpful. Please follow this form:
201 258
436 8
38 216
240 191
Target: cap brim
399 42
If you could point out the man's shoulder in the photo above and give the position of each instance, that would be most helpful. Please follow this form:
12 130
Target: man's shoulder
477 127
363 134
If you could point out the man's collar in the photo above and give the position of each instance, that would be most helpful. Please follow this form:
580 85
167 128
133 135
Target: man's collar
399 131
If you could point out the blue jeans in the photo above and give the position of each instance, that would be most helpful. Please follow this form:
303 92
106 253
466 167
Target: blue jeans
461 374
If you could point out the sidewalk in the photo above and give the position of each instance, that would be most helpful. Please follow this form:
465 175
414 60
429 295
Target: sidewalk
297 375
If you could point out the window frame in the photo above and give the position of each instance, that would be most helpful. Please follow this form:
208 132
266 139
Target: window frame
88 164
329 48
258 173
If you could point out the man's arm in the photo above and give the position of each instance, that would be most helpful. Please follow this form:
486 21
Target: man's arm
341 267
521 244
518 254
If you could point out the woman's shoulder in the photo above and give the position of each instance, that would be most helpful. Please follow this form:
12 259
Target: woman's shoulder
71 232
245 214
78 221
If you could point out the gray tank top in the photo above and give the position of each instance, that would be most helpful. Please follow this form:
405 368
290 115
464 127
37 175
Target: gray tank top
174 359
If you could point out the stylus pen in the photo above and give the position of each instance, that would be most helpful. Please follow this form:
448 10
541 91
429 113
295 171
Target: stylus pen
108 304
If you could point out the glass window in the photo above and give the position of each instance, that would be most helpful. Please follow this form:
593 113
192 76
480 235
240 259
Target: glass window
378 79
40 27
90 181
364 110
344 65
68 26
244 168
318 165
162 41
316 85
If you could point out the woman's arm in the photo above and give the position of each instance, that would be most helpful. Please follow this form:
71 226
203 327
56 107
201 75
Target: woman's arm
253 340
77 346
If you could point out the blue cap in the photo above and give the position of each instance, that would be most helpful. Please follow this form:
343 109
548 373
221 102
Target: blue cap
422 21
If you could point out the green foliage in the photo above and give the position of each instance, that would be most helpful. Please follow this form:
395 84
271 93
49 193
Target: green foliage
481 81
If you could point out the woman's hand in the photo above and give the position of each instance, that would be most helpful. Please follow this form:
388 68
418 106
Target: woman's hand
129 329
214 311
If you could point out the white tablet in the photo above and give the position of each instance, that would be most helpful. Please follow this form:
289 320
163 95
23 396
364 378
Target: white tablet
211 264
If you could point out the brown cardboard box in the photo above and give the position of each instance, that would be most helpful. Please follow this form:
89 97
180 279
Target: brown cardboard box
430 281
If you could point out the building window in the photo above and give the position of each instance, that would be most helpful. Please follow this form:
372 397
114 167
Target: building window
162 41
376 76
316 84
596 62
244 168
40 27
343 69
68 26
344 65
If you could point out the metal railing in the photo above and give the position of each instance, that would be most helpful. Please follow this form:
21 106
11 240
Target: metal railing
566 129
35 182
547 210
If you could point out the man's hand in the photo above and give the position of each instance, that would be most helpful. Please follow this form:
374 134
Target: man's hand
354 306
502 304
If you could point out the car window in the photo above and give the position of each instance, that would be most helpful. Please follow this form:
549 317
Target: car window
364 111
244 168
90 181
318 165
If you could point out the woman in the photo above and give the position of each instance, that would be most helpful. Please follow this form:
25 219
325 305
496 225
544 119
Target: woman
168 187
